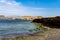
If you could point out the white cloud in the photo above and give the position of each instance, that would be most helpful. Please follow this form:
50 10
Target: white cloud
11 7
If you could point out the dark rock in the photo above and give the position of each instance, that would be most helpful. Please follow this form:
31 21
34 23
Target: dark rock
51 21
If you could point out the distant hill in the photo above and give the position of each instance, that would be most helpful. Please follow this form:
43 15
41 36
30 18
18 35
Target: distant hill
20 17
31 17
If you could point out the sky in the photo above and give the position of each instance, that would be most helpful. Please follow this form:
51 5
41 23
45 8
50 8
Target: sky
30 7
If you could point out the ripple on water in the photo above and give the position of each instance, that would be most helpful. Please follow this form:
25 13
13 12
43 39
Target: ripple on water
15 29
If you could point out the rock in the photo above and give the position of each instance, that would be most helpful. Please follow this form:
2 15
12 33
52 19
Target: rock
51 21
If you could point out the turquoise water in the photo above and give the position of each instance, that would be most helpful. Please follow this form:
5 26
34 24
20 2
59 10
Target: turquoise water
10 28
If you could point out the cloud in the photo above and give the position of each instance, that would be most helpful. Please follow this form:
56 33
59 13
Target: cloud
11 7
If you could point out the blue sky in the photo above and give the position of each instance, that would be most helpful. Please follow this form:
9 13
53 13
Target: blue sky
41 3
30 7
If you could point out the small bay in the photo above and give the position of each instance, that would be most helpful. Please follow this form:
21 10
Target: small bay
11 28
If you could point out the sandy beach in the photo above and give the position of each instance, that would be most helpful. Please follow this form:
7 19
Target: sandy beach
53 34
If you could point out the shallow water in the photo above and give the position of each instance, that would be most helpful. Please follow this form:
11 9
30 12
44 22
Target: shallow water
12 29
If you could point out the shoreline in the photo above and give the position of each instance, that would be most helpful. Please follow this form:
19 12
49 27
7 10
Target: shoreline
47 35
20 34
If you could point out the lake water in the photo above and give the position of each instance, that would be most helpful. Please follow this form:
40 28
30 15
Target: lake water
12 29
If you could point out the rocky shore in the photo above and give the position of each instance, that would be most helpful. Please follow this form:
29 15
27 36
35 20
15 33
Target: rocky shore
49 21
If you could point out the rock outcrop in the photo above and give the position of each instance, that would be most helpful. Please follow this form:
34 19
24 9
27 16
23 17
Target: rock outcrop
51 21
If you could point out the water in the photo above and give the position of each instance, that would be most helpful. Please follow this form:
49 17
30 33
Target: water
11 29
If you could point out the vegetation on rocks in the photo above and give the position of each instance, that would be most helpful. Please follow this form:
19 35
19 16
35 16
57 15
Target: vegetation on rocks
40 26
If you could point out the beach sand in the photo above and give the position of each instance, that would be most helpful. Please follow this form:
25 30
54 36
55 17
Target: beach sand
53 34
